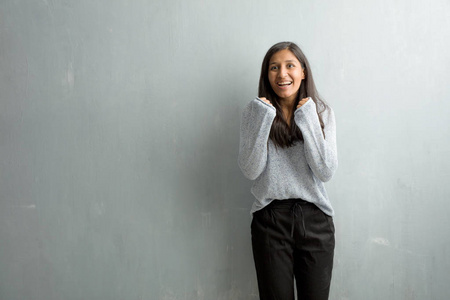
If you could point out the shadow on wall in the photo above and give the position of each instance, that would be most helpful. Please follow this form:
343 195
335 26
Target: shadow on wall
208 217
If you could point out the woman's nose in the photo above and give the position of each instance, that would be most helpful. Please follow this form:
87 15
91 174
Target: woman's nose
282 73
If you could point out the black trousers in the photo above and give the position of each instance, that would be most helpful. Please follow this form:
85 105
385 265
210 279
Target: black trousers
293 238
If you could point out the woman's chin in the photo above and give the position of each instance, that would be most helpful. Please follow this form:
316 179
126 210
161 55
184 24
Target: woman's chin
286 96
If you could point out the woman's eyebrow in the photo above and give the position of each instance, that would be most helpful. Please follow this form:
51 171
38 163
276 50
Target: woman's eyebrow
290 60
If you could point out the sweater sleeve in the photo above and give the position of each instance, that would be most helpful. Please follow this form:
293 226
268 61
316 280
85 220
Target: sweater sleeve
256 122
320 152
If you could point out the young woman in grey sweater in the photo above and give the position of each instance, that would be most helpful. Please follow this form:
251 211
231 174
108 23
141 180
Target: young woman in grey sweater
288 148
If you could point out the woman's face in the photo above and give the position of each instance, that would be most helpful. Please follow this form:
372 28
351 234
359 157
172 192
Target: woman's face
285 74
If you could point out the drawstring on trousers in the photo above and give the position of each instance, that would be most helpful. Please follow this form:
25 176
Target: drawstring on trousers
294 216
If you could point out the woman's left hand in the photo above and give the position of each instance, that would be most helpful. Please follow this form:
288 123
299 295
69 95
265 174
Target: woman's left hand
303 101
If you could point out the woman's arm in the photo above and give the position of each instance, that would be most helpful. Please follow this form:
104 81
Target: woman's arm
256 122
320 152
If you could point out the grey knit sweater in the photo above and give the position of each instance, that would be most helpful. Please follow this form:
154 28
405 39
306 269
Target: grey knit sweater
295 172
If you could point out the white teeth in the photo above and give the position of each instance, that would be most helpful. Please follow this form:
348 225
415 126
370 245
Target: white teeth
285 83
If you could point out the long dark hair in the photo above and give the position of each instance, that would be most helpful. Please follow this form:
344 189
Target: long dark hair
281 134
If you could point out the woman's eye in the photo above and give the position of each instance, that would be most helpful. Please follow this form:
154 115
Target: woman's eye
273 68
290 66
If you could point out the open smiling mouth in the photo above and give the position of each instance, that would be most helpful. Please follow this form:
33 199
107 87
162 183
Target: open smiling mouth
285 83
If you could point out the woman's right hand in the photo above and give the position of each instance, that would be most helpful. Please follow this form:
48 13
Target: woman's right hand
265 100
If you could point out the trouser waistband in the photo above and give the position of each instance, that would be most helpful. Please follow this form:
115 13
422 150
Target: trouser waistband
294 205
287 203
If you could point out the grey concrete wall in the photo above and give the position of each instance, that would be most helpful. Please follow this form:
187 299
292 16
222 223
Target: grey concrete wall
119 132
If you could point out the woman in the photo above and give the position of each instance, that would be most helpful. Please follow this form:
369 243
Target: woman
288 147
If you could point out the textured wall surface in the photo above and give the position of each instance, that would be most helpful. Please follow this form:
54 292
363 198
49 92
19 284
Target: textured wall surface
119 133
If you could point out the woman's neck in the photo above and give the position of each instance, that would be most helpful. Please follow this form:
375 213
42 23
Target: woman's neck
287 107
288 103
